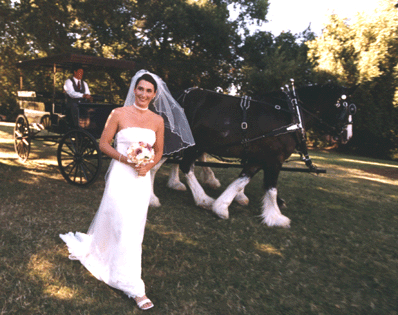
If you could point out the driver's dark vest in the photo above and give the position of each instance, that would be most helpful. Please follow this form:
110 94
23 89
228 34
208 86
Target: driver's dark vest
82 86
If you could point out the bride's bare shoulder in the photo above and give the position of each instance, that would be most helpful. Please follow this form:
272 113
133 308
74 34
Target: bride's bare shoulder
118 112
156 117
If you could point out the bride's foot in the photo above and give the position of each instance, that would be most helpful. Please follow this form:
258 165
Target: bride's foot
144 303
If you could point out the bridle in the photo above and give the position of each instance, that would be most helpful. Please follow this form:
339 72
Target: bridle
344 117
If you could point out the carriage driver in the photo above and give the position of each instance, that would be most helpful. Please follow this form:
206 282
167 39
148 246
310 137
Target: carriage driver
76 91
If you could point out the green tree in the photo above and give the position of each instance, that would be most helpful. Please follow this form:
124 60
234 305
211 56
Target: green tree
269 62
13 42
365 52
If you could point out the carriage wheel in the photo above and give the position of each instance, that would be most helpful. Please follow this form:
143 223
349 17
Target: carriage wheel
79 158
46 121
22 138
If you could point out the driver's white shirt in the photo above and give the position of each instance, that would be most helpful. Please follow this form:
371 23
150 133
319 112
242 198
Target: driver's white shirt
68 87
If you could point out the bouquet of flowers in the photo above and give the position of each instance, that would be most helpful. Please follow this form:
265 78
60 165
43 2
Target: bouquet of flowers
140 152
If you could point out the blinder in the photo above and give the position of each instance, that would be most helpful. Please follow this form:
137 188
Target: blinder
345 118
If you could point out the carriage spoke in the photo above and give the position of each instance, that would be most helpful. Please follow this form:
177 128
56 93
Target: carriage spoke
83 174
70 147
76 169
68 153
20 148
90 155
84 147
69 165
82 166
72 144
84 144
88 162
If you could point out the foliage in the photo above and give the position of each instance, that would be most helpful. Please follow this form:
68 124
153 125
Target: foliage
365 53
270 62
9 49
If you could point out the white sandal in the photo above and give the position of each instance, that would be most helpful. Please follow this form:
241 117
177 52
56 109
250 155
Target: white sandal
141 304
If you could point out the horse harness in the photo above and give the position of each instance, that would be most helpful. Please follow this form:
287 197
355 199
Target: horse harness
296 126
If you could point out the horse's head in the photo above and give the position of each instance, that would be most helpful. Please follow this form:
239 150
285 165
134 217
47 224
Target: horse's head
332 108
345 110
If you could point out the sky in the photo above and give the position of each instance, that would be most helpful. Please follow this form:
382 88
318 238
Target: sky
296 15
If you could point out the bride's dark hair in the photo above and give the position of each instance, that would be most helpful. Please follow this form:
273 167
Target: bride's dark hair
149 78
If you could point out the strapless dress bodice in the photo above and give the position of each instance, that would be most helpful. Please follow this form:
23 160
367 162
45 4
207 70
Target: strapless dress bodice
126 136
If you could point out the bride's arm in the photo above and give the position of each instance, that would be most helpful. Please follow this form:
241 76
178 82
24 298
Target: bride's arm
158 146
110 129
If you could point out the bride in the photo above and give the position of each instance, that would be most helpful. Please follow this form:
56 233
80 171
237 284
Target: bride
111 249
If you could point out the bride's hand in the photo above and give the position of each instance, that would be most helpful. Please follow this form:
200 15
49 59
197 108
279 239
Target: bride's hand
141 169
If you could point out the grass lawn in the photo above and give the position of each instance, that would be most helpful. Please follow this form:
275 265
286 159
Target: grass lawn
340 255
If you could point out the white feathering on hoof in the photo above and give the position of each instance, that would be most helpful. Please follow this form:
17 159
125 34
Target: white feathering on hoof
174 179
271 214
220 206
199 195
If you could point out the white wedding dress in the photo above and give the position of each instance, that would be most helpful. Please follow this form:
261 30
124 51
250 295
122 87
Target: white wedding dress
111 249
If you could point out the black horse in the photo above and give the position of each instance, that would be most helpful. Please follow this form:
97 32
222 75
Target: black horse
262 134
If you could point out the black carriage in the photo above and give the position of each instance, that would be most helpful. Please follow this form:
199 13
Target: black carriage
44 116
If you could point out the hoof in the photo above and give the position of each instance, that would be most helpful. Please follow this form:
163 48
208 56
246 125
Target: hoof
212 182
280 220
221 210
154 202
223 214
242 199
215 184
177 186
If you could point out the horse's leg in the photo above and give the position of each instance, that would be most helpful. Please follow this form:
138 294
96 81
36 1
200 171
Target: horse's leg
154 200
220 206
271 214
207 176
200 197
174 179
187 166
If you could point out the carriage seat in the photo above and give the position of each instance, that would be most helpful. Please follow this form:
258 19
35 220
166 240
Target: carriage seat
49 95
